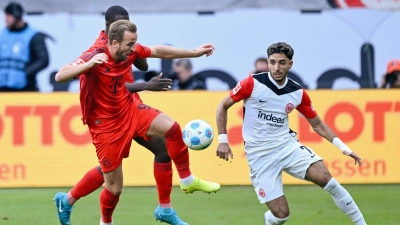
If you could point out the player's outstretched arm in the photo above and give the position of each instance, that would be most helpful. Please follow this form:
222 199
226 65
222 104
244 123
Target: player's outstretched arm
69 72
321 128
223 149
155 84
170 52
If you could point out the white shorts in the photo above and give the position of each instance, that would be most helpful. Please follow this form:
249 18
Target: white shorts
266 170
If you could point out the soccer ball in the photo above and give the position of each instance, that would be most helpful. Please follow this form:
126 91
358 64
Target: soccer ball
198 134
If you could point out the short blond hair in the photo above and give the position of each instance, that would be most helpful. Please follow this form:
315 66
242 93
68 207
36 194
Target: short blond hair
118 28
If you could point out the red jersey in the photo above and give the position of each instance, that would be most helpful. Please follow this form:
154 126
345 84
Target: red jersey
104 98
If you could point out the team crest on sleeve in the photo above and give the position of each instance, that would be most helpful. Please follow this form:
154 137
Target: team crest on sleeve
78 62
289 107
237 88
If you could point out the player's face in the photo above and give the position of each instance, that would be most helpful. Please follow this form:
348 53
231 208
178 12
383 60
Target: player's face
279 66
127 46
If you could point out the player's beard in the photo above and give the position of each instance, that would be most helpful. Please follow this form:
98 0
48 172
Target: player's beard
121 56
281 79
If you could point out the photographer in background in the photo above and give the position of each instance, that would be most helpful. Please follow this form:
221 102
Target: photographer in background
392 77
183 78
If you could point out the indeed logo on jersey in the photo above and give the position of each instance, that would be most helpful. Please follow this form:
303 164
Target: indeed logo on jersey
270 117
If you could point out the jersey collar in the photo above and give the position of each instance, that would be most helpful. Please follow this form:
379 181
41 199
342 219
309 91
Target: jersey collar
276 84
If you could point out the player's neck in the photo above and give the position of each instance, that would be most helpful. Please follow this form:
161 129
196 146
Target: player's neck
112 53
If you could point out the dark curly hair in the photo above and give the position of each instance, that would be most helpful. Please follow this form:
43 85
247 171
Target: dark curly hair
281 47
113 12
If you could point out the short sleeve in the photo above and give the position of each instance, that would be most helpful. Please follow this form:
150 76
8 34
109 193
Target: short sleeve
243 89
142 51
306 107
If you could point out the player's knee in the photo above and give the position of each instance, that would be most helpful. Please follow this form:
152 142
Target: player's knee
116 191
174 131
331 185
162 158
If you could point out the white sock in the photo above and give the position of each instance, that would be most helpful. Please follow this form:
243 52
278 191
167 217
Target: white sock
344 201
272 220
188 180
102 223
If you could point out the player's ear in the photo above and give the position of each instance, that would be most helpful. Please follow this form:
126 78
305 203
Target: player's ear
115 43
291 63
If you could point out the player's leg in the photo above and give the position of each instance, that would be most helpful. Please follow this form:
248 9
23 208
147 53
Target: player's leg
109 197
304 164
319 174
164 126
111 149
163 176
266 177
144 115
278 212
162 168
91 181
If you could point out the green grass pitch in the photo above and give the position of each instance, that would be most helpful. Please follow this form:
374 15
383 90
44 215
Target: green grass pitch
233 205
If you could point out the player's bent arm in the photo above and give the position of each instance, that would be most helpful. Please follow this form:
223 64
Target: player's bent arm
141 64
321 128
223 149
222 113
69 72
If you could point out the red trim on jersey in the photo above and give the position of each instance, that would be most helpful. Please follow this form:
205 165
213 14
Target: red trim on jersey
143 51
306 107
243 89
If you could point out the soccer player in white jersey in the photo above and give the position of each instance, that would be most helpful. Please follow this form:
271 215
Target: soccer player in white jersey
271 147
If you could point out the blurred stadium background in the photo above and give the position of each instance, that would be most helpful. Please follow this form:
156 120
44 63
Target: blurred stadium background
341 51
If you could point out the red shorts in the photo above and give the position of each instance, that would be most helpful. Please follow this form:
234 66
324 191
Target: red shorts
112 147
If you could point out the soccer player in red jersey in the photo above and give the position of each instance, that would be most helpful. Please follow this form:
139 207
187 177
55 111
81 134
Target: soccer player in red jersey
114 117
94 179
271 147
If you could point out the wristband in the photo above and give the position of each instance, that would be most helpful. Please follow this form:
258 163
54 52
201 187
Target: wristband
342 146
223 138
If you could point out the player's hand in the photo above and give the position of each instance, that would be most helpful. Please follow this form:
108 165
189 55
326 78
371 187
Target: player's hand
205 49
159 84
224 151
357 159
97 60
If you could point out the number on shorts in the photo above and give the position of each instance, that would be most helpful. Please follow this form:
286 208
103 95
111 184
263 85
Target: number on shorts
309 150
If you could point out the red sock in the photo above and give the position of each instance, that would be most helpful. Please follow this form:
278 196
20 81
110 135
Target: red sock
178 151
108 202
90 182
163 177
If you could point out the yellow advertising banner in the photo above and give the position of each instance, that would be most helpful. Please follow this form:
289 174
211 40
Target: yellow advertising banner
43 142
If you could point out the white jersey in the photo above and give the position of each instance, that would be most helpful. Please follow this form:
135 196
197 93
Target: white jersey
266 109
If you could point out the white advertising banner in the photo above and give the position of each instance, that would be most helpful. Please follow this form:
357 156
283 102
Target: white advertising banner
338 49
